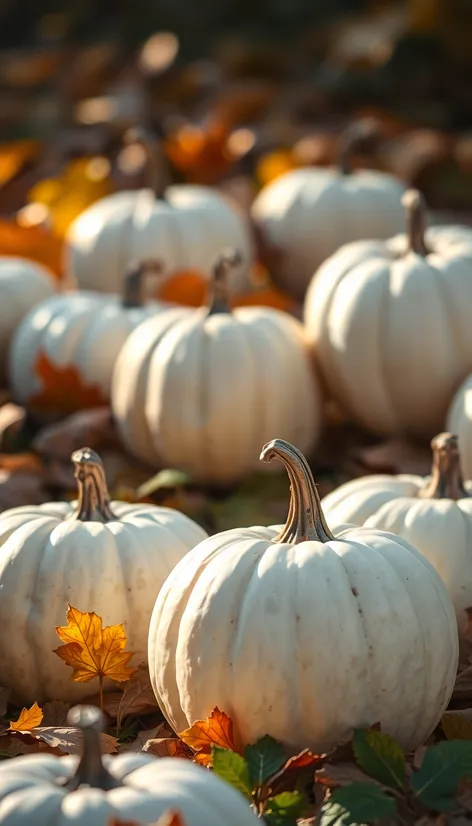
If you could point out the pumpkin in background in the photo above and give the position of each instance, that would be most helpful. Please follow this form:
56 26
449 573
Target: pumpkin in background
434 514
459 420
23 284
197 389
102 556
303 635
390 324
46 790
64 351
183 225
309 213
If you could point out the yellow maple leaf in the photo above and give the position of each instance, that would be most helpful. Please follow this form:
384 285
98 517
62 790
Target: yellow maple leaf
216 730
94 651
28 719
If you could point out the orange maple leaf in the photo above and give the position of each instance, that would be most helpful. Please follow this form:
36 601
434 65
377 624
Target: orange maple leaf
216 730
63 388
94 651
28 719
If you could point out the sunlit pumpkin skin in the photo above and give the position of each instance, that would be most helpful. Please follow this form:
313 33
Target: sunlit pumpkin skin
434 514
308 213
97 555
23 284
390 325
196 389
46 790
304 636
183 225
459 420
64 351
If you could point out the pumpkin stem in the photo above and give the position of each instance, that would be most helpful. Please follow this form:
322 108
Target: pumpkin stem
218 294
305 520
415 210
90 771
350 138
133 281
93 498
156 169
446 478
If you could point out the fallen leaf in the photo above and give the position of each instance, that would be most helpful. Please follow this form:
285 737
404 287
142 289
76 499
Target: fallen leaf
168 747
29 718
93 427
286 778
342 775
457 725
142 738
69 740
33 242
93 651
138 696
55 713
216 730
64 389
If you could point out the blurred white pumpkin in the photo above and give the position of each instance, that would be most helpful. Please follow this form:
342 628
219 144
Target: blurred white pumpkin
459 420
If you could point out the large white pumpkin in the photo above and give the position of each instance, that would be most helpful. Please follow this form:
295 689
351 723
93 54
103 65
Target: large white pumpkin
390 324
44 790
97 555
307 214
64 351
183 225
434 514
304 636
459 420
199 389
23 284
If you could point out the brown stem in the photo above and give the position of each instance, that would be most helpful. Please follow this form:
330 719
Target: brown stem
93 499
218 294
415 213
90 771
350 138
156 169
305 520
446 478
133 281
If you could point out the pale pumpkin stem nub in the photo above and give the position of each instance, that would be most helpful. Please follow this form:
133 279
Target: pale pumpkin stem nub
133 281
446 478
305 520
218 299
415 209
156 169
93 498
352 136
90 771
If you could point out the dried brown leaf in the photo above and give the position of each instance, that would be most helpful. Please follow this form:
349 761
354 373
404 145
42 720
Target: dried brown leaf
93 427
69 740
141 739
457 725
138 696
168 747
342 775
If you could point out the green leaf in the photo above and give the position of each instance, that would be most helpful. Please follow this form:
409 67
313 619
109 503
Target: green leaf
285 808
264 758
379 756
358 803
442 768
233 768
167 478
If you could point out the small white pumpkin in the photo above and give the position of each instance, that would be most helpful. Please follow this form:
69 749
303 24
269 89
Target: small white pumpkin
434 514
64 351
23 284
307 214
97 555
183 225
45 790
304 635
198 389
459 420
390 324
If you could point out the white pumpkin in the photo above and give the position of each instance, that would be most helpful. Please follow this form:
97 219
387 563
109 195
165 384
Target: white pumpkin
459 420
434 514
183 225
110 558
390 325
64 351
45 790
304 635
23 284
307 214
198 389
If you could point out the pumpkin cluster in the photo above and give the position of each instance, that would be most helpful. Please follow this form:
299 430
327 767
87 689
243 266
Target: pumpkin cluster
347 616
